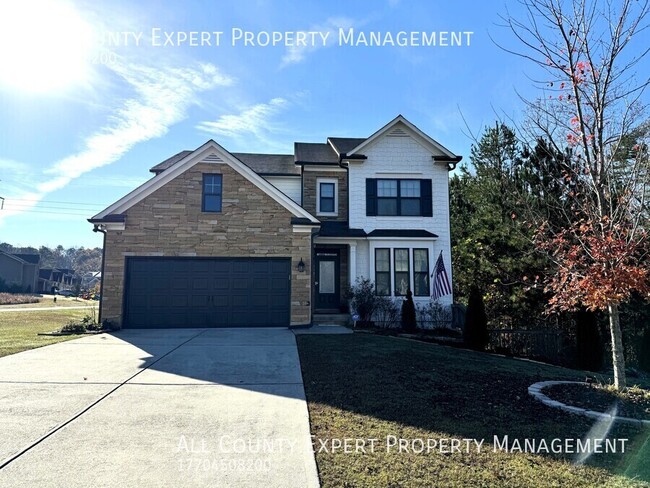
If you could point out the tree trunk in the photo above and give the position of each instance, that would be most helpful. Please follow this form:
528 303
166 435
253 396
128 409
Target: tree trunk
618 359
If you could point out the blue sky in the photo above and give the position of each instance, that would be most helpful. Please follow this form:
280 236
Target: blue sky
83 121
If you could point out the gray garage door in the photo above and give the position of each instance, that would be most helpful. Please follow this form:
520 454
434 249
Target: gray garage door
207 292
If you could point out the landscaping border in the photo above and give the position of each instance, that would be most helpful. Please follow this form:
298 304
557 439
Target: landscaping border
535 390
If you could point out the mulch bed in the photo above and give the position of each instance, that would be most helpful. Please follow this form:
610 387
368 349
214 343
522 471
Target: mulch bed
633 403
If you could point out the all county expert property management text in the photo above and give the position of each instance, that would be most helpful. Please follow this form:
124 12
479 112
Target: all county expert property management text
159 37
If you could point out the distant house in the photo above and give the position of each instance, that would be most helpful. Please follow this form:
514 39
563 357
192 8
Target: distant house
57 278
20 271
90 279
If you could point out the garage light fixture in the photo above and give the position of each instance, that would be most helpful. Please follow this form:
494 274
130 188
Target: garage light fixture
301 266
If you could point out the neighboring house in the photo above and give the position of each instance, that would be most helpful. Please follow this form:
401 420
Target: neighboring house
57 278
90 279
236 239
19 271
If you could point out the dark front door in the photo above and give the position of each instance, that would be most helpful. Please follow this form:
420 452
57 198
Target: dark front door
163 292
327 282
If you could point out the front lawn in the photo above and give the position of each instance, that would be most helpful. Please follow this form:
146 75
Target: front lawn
18 330
363 387
47 301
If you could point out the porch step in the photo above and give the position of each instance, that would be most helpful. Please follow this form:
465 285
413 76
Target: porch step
331 319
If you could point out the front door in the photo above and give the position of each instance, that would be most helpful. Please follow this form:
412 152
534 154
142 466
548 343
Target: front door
327 283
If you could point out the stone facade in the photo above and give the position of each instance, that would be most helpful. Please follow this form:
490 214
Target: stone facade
309 192
169 222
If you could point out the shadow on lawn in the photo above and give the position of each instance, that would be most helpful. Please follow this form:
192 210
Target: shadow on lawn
452 392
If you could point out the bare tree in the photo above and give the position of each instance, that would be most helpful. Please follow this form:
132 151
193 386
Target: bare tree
592 102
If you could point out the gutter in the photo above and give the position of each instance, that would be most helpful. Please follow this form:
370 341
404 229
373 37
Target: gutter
451 162
97 228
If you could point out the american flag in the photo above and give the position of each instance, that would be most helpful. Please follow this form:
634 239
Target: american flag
441 285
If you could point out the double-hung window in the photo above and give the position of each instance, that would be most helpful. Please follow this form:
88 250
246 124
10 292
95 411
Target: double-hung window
398 197
212 191
327 197
402 276
382 271
421 272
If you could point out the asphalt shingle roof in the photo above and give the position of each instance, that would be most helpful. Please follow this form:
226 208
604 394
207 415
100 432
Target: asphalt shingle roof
315 152
346 144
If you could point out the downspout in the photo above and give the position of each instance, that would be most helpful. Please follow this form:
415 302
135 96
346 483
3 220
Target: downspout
97 228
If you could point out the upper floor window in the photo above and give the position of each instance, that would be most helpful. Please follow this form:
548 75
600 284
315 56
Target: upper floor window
327 196
398 197
212 190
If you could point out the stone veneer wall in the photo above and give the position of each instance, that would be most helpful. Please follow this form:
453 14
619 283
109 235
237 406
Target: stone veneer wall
309 192
169 222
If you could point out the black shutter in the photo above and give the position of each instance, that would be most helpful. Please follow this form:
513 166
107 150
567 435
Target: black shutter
426 204
371 197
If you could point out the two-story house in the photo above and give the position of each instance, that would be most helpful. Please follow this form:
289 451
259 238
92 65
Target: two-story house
220 239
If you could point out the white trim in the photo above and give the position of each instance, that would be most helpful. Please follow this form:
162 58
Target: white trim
414 130
337 240
208 149
303 228
330 168
111 226
335 182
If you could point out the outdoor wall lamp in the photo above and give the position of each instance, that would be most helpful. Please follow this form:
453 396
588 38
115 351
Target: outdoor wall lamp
301 266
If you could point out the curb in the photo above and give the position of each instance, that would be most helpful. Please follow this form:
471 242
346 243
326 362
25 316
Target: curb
535 390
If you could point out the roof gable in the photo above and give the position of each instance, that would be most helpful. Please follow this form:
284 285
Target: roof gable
208 152
400 127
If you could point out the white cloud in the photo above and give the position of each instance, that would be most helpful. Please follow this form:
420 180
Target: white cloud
162 98
253 121
297 54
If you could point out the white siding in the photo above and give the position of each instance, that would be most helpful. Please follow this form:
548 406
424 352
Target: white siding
401 157
289 185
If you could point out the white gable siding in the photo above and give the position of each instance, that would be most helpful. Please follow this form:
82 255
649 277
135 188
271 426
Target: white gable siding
401 157
289 185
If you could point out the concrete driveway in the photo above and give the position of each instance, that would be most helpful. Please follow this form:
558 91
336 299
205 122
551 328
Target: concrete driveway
180 407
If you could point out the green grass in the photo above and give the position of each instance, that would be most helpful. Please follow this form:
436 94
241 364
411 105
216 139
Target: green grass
365 386
18 330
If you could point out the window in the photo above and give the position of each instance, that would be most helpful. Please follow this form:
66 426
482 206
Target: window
401 271
421 272
211 193
327 201
399 197
382 272
327 197
387 197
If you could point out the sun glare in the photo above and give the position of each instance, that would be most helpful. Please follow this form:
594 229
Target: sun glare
45 46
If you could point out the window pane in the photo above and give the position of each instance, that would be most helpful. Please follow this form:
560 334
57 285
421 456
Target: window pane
382 284
382 260
387 188
410 206
327 204
421 284
410 188
387 206
401 283
327 190
421 260
212 184
401 260
212 203
326 277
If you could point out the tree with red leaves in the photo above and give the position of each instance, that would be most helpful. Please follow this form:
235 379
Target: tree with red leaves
592 104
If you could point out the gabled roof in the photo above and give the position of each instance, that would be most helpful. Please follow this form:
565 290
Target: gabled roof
268 164
216 154
344 144
436 148
13 256
169 162
29 257
315 153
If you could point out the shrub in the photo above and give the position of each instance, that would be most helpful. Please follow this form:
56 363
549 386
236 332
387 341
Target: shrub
433 315
589 353
73 328
475 332
409 322
363 298
644 356
387 313
15 299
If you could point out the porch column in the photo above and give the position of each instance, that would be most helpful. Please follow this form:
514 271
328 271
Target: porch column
352 264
